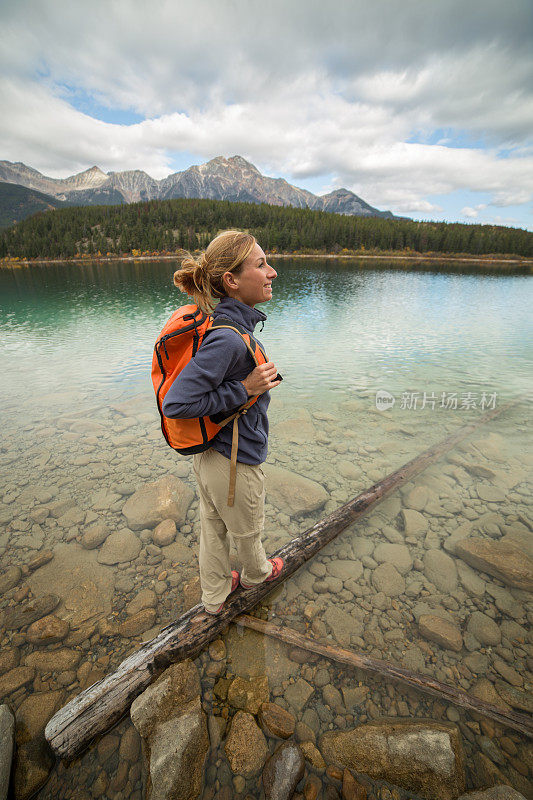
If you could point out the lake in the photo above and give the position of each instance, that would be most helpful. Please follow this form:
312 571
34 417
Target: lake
379 364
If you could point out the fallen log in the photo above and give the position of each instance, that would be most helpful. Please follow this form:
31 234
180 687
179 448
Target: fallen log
98 707
417 680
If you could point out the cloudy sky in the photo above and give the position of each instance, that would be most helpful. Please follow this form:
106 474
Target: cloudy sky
423 107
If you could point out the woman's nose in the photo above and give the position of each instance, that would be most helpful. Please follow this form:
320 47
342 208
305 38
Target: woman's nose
273 274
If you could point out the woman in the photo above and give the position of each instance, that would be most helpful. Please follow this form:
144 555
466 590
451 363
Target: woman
219 379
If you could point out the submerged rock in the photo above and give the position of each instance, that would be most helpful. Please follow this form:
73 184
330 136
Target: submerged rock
138 623
397 554
276 721
84 586
169 717
440 569
246 746
283 771
9 578
502 560
439 630
343 625
53 661
47 630
388 580
14 679
119 547
248 694
167 498
165 533
515 697
33 763
494 793
7 739
297 431
22 615
94 536
412 522
34 712
484 629
422 756
292 493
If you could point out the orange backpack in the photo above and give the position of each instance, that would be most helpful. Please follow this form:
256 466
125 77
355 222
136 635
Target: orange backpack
178 342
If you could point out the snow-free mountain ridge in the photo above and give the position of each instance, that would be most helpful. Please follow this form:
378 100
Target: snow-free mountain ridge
221 178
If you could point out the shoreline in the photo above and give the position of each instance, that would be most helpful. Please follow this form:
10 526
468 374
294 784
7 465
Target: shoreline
407 257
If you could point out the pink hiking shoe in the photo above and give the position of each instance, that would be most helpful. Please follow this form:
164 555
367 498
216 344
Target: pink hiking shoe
277 566
234 583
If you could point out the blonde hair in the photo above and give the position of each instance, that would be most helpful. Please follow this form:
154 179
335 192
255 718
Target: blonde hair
201 277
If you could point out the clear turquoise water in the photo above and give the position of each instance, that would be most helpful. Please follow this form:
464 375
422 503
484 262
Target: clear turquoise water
332 329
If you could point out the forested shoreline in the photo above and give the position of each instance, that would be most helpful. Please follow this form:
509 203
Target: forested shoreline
165 226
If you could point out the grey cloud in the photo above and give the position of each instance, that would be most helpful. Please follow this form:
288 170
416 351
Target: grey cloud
300 87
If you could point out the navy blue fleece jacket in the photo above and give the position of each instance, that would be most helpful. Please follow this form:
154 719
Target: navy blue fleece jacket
211 383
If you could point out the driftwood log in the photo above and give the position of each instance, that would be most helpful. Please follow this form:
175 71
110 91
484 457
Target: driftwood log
417 680
98 707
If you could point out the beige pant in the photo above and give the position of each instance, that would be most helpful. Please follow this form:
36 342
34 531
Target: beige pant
244 521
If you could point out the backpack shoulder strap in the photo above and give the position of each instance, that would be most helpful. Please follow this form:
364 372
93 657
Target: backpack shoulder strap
248 339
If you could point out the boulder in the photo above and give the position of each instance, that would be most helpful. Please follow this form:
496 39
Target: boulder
440 569
343 625
388 580
34 712
248 694
246 747
295 431
397 554
276 721
165 533
412 522
119 547
20 616
503 560
484 629
167 498
283 771
291 493
169 717
417 498
14 679
439 630
9 578
47 630
94 536
7 739
134 625
422 756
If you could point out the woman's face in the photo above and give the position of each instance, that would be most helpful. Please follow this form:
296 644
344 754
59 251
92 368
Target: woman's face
253 284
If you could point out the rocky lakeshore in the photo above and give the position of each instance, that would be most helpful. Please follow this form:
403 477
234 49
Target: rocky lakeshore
99 551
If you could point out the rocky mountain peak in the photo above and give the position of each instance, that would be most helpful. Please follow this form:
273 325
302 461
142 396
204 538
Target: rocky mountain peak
234 179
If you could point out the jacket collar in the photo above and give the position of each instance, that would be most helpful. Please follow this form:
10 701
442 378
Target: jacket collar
239 312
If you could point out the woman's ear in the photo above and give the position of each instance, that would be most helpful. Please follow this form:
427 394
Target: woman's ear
229 282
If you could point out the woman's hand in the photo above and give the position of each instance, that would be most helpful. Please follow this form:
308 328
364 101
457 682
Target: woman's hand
262 379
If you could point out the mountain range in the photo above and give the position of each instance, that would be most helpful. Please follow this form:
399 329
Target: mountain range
221 178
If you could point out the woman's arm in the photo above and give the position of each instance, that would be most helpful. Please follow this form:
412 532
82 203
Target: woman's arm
201 389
